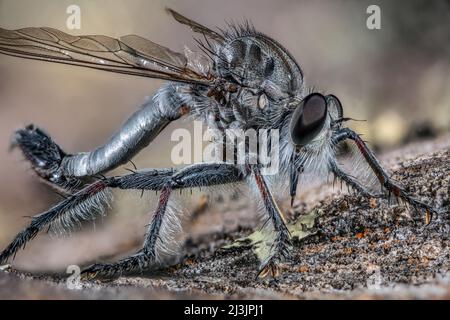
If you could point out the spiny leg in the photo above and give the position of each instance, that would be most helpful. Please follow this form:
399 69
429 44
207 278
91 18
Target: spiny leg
141 259
390 185
93 199
198 175
45 157
282 243
351 181
82 205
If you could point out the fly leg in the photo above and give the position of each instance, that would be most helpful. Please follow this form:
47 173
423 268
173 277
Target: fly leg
66 172
86 204
45 157
141 259
390 185
89 202
199 175
351 181
282 243
93 200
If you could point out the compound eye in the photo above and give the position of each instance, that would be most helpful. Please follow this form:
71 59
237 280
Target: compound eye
334 107
308 119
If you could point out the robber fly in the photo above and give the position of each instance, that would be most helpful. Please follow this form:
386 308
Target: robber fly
241 79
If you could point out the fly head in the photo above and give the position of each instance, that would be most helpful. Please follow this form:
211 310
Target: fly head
315 114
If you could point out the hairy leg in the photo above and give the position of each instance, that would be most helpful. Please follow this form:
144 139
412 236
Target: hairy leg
389 184
280 247
350 181
63 171
82 205
199 175
141 259
91 199
45 157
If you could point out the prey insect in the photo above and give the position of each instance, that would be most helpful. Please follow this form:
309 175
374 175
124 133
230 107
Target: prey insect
240 79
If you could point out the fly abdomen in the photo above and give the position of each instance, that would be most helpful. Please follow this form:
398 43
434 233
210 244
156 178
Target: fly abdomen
136 133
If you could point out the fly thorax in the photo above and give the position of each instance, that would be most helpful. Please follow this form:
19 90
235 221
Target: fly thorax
255 61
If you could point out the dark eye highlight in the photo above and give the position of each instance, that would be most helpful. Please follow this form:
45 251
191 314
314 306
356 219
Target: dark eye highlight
308 119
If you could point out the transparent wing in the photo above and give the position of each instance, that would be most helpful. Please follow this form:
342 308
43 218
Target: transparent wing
195 26
130 54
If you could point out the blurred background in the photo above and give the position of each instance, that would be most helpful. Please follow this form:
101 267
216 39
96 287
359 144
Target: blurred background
397 78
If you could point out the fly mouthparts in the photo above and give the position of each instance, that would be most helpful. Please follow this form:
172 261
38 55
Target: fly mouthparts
347 119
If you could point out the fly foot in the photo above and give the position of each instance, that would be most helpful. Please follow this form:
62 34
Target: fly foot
280 252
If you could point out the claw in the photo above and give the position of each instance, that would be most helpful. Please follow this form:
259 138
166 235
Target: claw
429 212
275 271
100 272
269 268
428 216
88 276
418 206
263 273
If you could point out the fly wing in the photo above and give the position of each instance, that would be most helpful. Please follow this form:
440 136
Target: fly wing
195 26
130 54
